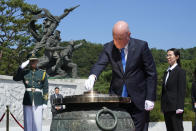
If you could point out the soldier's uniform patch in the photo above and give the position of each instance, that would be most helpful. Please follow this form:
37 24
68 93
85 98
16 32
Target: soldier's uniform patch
45 97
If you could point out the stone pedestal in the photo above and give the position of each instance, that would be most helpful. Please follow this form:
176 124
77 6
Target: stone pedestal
12 92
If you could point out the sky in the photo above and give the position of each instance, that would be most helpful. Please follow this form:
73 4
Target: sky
163 24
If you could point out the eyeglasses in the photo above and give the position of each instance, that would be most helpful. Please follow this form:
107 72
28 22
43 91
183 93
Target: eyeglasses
170 55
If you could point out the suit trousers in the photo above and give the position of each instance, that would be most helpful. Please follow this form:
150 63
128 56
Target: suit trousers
32 118
140 117
173 121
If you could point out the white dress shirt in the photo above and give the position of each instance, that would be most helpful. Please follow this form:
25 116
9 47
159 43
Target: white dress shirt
126 52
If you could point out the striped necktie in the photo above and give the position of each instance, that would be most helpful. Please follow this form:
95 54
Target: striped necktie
124 91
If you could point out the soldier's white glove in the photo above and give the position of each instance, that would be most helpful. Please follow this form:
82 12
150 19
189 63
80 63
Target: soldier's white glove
149 105
24 64
90 82
44 106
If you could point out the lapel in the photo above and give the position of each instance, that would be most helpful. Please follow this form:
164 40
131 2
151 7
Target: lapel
131 51
171 75
117 58
120 65
54 96
117 55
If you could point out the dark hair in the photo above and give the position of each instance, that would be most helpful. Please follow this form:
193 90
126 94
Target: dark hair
56 88
176 53
195 74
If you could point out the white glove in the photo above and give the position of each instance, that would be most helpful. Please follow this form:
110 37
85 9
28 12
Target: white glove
178 111
24 64
195 105
149 105
44 106
64 106
90 82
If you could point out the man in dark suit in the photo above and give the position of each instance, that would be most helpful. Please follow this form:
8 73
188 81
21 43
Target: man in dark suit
133 72
56 108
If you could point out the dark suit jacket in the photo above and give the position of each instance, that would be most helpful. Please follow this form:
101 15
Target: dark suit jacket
140 73
173 92
193 94
52 97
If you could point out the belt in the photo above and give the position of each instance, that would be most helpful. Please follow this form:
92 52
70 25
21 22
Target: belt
33 89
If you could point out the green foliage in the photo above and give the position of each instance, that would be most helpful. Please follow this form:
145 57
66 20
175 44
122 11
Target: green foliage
156 114
14 18
159 56
103 83
13 22
86 56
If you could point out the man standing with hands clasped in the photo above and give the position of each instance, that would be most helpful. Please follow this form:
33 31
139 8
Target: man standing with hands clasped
36 93
56 108
133 72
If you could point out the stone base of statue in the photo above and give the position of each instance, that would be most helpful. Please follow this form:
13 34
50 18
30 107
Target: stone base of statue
93 112
12 92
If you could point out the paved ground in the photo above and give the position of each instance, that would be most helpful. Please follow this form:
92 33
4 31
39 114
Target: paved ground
153 126
44 128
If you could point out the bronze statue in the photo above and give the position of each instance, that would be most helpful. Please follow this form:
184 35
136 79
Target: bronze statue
56 59
50 24
52 45
65 59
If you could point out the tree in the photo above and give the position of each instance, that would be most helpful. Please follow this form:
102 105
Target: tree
14 35
86 56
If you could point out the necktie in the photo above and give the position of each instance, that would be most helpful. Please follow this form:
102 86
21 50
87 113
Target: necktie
168 73
124 91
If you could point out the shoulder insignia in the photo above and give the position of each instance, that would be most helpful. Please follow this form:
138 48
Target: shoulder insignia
43 77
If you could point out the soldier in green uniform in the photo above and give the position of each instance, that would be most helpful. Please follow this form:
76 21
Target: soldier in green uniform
36 93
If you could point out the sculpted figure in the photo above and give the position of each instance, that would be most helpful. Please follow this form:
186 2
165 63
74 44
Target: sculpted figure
52 45
50 23
56 59
65 59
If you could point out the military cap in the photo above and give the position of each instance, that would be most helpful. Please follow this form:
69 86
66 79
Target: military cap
32 56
